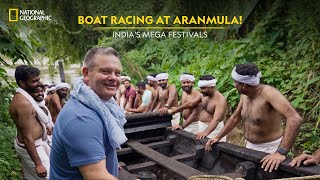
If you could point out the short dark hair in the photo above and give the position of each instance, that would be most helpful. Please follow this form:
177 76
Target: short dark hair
141 85
249 69
153 74
88 59
187 73
24 72
206 77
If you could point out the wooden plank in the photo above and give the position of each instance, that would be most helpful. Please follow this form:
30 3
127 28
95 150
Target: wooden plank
149 164
150 127
170 163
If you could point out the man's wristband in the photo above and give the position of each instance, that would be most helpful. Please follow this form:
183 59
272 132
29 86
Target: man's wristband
167 106
282 151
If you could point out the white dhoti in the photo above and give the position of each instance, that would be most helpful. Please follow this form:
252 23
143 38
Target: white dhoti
28 166
175 119
192 128
268 147
203 126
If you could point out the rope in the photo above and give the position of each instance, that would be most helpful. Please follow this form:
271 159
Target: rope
211 177
301 178
214 177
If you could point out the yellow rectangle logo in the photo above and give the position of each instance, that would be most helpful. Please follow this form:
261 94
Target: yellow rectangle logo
13 15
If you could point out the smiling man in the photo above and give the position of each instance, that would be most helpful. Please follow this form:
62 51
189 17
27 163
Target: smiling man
190 105
89 128
214 108
166 97
30 142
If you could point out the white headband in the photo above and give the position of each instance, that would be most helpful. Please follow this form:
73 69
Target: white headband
162 76
53 88
62 85
125 78
250 80
207 83
151 78
187 77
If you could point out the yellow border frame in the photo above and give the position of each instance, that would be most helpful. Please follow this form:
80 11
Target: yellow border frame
13 20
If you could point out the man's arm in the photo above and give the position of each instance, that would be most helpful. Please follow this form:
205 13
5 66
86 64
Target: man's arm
172 94
218 116
193 116
140 109
293 119
25 118
190 104
136 101
96 170
293 123
56 101
230 124
155 101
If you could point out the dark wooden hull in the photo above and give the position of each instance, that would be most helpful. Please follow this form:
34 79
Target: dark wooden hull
155 152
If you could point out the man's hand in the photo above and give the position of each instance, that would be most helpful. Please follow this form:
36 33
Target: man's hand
176 127
163 111
172 110
211 142
41 170
305 159
272 161
201 135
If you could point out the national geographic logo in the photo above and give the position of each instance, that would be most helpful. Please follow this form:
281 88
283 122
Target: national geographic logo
16 15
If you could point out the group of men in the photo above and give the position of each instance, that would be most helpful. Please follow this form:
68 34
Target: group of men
89 127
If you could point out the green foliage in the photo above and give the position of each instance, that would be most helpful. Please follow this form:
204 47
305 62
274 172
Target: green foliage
9 163
10 167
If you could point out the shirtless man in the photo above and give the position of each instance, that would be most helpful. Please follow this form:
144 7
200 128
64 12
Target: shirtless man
166 97
214 108
190 105
120 92
29 142
57 100
262 107
50 91
153 84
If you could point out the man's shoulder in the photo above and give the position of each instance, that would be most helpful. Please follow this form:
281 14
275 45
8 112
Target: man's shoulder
19 101
270 91
74 107
171 86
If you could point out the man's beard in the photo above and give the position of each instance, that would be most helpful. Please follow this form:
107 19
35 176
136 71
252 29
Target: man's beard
205 94
187 89
163 86
30 90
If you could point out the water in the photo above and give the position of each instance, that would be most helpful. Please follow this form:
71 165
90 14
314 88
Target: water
71 71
